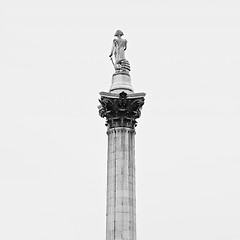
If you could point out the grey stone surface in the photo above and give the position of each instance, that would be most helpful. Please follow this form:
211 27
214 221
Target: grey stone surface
121 82
121 198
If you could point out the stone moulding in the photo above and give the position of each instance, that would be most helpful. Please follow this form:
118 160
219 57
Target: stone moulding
121 110
121 129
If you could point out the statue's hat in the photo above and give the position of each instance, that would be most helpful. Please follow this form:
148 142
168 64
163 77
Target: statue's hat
118 32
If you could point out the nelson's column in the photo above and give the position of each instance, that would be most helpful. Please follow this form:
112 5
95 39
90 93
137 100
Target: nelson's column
121 107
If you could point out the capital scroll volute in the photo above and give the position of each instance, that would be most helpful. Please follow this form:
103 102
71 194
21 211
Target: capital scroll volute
121 111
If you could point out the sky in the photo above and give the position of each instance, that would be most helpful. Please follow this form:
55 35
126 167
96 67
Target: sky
184 55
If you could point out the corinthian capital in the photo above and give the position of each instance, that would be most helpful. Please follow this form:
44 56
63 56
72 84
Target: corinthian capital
121 110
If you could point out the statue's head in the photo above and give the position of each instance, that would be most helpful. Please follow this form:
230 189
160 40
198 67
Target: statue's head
118 33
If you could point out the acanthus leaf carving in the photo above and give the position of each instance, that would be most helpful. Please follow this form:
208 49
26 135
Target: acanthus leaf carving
122 111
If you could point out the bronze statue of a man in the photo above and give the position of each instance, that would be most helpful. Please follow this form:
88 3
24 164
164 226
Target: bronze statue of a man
118 50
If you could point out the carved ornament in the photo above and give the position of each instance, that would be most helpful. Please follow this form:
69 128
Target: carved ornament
121 111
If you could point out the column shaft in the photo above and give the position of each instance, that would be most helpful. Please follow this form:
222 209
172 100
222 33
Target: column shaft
121 198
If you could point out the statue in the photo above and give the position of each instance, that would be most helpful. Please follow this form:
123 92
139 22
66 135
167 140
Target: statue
119 46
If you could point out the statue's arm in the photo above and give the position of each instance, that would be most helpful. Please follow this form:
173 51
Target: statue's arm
125 47
112 50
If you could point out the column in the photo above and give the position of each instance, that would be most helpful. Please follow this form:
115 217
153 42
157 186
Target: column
121 111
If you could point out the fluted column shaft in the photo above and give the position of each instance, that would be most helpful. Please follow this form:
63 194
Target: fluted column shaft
121 197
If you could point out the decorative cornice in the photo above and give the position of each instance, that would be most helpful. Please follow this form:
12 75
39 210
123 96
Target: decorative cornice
116 95
121 110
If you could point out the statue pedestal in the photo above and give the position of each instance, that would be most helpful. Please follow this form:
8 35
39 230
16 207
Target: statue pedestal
121 82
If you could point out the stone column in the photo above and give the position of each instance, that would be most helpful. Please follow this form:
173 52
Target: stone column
121 111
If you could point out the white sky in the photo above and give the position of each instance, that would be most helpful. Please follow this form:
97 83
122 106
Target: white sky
54 62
